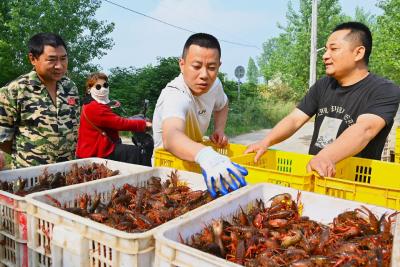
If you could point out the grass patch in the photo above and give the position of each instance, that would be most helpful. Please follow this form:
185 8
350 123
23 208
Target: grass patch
252 115
275 111
8 161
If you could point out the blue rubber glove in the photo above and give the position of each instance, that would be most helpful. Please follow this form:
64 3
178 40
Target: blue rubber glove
220 174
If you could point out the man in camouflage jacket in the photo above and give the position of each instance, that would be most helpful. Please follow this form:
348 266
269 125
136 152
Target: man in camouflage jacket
39 111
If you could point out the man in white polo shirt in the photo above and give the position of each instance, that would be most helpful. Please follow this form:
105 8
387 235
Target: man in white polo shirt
183 113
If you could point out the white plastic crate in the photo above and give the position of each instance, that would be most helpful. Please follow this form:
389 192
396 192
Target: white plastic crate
78 241
13 253
321 208
13 226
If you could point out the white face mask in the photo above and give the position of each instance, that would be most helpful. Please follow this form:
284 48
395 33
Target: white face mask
100 93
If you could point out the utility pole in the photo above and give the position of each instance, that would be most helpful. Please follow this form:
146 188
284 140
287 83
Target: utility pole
239 82
313 49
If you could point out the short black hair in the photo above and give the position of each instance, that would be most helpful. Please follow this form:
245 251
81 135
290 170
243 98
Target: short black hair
358 32
38 41
203 40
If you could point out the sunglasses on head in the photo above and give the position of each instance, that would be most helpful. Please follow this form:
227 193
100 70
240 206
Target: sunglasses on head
98 86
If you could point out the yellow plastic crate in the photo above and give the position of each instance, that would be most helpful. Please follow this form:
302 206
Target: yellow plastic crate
364 180
397 146
278 167
371 172
163 158
378 195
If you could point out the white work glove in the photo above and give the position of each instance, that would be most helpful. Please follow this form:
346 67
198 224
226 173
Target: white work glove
219 172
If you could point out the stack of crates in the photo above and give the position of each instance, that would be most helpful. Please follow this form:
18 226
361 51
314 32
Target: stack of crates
13 208
60 238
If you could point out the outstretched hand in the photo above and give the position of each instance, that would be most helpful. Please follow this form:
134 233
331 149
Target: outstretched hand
219 139
149 124
224 178
259 148
220 174
322 165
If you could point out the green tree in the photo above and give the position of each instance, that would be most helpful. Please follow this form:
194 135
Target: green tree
288 55
365 17
74 20
252 72
385 59
132 86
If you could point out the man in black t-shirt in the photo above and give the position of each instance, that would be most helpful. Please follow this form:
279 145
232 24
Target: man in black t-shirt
353 108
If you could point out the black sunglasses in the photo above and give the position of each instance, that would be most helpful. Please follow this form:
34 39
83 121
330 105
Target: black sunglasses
98 86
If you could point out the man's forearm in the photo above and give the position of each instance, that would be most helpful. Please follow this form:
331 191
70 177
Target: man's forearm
220 118
6 147
285 128
182 146
353 140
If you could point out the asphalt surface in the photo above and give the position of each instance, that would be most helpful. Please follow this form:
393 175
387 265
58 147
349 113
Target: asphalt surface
299 142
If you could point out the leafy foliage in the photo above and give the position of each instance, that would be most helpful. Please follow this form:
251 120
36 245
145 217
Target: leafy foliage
385 58
253 113
288 54
74 20
285 57
277 90
132 86
252 72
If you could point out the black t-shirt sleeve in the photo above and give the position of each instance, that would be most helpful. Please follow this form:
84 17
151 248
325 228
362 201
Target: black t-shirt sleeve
384 102
309 103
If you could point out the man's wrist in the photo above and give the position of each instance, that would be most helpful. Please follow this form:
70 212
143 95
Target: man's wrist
204 154
219 131
325 153
265 143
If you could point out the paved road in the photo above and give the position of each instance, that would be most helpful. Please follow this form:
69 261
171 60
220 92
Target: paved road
299 142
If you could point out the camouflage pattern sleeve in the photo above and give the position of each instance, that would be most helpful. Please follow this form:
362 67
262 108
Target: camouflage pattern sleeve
8 111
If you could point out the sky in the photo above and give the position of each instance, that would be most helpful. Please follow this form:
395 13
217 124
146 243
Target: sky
138 40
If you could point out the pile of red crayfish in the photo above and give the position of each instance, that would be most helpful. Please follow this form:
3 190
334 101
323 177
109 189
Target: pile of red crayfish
279 236
137 209
45 181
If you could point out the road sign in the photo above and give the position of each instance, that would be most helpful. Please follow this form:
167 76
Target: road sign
239 72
